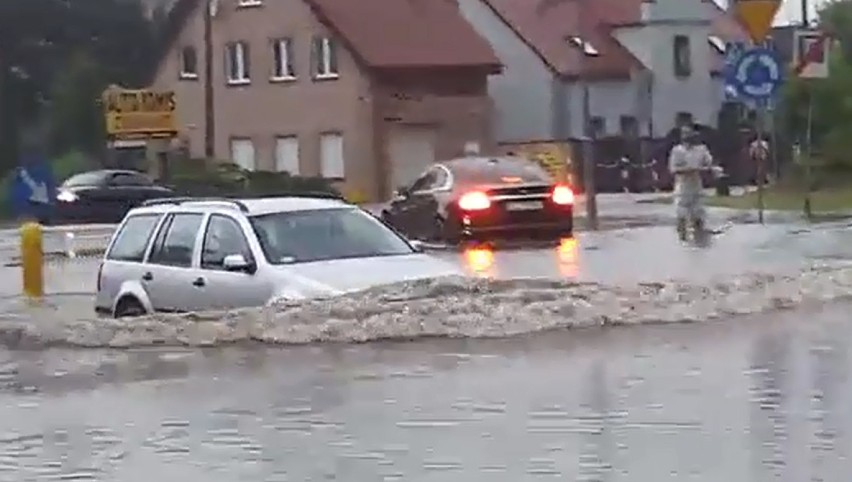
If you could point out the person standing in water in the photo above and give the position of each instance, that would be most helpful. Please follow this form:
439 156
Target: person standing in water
686 162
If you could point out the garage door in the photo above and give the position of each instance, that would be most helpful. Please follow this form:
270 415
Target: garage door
411 150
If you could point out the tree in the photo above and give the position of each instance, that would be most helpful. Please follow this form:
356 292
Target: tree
42 41
831 114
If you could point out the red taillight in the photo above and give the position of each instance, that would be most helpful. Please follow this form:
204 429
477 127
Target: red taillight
100 270
474 201
562 195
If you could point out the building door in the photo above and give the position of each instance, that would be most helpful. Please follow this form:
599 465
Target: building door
411 150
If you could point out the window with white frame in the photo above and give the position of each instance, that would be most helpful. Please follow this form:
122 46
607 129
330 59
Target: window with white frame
331 156
282 55
237 62
325 58
188 63
287 155
242 153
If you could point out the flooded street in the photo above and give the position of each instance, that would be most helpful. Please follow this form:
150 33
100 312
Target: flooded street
746 380
762 398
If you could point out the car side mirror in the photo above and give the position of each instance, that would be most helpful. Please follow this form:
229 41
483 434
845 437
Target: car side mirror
238 262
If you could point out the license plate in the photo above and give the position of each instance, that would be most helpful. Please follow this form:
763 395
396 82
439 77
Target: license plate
525 206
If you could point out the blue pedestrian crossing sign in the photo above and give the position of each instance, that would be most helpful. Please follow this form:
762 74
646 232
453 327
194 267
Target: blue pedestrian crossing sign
757 75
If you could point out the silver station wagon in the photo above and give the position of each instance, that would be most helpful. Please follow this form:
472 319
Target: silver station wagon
191 254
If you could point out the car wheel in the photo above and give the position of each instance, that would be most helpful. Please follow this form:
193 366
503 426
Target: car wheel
129 307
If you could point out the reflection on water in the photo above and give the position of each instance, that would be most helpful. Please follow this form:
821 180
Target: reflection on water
480 261
751 401
567 254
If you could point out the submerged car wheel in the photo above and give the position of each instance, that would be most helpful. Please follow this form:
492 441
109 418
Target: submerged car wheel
129 307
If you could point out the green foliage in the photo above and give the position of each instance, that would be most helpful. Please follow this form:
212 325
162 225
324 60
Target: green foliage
831 115
56 57
197 177
76 119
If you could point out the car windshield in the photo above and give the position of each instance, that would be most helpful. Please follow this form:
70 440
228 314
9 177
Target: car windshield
501 171
85 179
325 234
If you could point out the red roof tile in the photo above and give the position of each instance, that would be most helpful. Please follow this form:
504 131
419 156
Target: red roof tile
407 33
547 26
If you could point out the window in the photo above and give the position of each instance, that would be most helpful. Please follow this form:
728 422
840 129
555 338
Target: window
242 153
682 56
428 180
224 237
130 179
249 3
282 53
325 58
237 62
188 63
331 156
95 178
287 155
323 234
629 126
132 240
176 241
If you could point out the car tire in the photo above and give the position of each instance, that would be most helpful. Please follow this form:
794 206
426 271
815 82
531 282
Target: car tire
129 307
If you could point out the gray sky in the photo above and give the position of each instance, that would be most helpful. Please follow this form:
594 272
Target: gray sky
790 11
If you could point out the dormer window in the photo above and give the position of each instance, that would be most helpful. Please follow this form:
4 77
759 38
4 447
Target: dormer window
587 47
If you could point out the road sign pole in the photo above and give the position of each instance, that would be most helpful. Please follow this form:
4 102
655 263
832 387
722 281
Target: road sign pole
761 164
808 208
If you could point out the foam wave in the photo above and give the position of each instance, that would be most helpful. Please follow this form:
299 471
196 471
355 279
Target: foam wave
449 307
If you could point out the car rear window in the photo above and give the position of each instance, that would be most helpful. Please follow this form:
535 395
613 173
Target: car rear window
133 237
501 171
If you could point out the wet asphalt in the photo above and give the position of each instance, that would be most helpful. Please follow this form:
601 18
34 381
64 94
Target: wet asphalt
750 399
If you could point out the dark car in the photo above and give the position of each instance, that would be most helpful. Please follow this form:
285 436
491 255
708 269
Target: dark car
482 198
104 196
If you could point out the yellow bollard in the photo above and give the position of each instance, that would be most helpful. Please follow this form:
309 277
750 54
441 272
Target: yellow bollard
32 260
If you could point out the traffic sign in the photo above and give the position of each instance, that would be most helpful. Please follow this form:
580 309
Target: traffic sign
756 16
758 74
139 114
32 188
811 50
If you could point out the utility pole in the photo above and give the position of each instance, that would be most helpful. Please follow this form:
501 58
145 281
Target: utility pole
589 161
805 15
209 104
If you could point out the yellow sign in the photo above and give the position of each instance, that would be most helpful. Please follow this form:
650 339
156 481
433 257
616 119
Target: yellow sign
134 114
756 16
554 157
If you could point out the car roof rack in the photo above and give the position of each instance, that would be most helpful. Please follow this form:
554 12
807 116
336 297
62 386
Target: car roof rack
237 202
298 194
188 199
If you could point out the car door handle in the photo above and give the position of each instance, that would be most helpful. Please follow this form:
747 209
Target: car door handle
198 282
147 276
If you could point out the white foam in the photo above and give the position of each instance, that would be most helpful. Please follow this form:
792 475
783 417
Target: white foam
450 307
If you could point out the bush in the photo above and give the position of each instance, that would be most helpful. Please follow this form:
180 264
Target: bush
199 178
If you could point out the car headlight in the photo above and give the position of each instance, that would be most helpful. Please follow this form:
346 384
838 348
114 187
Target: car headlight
66 197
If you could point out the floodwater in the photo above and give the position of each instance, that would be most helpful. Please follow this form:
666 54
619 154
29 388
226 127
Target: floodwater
721 363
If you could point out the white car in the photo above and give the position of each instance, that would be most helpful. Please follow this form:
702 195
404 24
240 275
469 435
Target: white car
190 254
